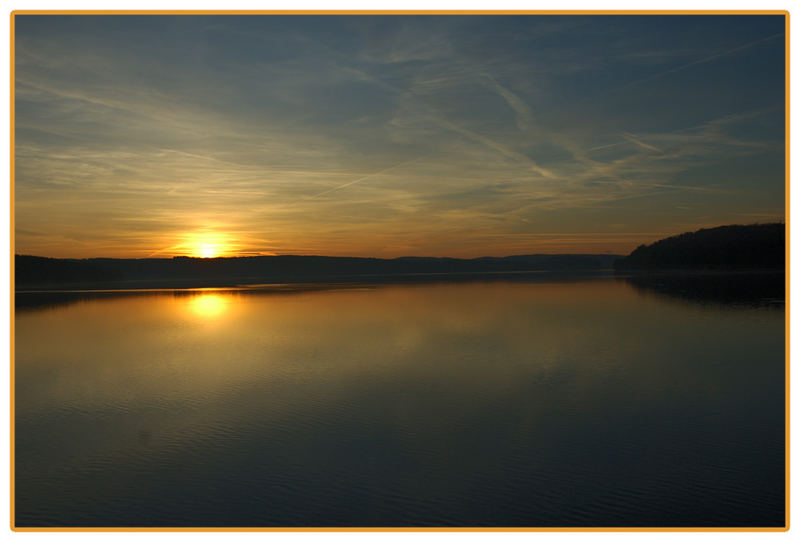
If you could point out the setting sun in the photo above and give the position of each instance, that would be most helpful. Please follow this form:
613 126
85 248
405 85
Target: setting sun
207 251
206 245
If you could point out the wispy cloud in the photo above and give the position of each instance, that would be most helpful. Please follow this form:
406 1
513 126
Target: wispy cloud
633 139
524 115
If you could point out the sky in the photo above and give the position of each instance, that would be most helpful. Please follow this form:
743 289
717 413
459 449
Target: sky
386 136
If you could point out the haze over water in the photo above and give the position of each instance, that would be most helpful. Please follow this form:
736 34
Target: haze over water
582 403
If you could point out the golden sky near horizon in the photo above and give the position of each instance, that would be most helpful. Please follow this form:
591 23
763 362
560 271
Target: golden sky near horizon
463 136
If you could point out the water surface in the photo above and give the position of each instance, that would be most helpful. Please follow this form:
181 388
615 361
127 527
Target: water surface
567 404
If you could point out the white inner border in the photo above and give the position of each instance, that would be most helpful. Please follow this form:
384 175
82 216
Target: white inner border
794 220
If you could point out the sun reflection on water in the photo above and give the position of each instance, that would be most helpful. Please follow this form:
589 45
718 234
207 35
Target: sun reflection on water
208 305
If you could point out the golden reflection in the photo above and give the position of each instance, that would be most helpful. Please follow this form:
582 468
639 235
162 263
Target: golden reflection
208 305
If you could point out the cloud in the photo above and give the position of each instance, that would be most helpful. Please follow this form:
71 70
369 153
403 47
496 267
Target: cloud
524 115
361 179
637 141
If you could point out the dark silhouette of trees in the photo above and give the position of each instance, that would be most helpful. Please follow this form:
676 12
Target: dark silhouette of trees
755 246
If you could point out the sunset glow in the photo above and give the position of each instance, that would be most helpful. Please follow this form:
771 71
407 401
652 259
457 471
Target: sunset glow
391 136
204 245
207 251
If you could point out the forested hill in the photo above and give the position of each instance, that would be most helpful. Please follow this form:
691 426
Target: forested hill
756 246
182 272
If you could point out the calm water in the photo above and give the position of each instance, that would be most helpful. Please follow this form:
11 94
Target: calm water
593 403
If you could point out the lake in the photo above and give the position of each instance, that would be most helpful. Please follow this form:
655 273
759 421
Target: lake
541 403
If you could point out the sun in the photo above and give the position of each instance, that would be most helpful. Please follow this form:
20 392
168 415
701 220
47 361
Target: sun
207 250
207 245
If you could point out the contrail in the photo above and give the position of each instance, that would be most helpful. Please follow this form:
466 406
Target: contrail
637 141
435 116
605 146
164 250
680 68
709 58
524 115
364 178
544 172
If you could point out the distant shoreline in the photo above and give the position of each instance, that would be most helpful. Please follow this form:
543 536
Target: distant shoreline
724 250
36 273
295 284
311 282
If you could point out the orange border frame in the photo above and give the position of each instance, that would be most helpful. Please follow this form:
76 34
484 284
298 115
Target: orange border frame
12 110
787 153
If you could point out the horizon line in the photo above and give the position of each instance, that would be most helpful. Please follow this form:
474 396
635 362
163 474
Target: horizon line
184 257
